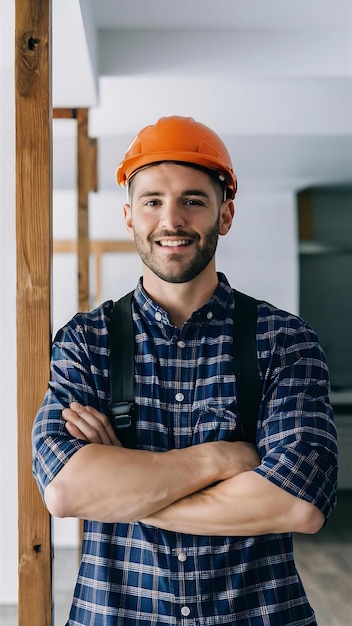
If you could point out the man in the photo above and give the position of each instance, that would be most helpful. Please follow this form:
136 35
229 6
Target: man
192 526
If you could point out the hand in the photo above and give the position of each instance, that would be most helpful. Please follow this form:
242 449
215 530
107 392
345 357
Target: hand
84 422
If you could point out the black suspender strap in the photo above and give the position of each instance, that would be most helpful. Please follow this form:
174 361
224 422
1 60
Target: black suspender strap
122 370
248 384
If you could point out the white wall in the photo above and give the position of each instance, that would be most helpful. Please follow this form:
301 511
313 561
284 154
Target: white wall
8 415
260 253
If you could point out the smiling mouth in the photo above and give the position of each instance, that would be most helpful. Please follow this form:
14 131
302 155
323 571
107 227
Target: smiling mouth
167 243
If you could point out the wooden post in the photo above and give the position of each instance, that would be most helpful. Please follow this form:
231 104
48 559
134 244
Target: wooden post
87 180
84 172
34 240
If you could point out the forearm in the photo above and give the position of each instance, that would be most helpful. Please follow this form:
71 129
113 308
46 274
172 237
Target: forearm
111 484
245 505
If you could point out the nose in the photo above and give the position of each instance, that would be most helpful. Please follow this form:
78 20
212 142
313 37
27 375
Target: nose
173 215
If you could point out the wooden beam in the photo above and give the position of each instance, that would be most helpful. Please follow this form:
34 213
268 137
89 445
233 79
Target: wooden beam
83 188
306 230
96 246
65 114
33 235
93 161
104 246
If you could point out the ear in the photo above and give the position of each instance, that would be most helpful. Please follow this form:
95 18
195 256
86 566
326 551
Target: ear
227 212
127 214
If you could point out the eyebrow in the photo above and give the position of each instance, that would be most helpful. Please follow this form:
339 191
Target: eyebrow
186 192
195 192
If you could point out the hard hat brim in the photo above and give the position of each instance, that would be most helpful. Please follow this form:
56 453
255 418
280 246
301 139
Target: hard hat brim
133 164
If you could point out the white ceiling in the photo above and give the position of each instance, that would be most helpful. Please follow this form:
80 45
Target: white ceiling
273 78
231 14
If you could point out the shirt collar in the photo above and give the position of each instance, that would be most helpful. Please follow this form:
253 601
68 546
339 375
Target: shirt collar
216 307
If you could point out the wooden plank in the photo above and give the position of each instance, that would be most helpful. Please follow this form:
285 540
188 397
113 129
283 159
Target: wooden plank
306 229
96 246
104 246
83 187
98 280
64 114
33 235
93 159
64 246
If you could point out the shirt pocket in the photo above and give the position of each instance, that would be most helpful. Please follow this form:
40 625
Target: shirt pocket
215 423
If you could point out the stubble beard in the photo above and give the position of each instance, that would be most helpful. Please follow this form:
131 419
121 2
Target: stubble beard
185 271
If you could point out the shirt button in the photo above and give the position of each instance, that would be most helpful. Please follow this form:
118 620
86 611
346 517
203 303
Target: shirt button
182 557
210 315
158 316
181 344
179 397
185 611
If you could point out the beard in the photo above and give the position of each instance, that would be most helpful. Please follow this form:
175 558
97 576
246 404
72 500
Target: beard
176 269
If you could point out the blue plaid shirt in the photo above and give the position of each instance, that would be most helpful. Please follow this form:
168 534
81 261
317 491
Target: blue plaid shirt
184 384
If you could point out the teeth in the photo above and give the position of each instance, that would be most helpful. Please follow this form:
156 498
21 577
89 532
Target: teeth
174 244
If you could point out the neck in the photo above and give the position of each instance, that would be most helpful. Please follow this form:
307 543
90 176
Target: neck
180 300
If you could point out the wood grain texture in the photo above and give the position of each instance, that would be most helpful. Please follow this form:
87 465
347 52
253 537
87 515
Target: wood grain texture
97 248
83 188
33 237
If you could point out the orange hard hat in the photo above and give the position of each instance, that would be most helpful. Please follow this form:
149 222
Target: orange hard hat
182 140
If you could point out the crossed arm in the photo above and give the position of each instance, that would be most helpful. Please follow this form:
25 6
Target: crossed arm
206 489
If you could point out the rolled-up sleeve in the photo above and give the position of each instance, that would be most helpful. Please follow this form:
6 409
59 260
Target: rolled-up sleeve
297 437
79 372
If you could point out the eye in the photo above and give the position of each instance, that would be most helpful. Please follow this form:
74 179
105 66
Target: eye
152 203
194 202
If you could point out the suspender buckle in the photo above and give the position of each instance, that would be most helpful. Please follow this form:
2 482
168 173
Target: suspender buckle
121 413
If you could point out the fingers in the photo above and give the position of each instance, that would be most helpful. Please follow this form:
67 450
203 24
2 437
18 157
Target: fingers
74 431
85 422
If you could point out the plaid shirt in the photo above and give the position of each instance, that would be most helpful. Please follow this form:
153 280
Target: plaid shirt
135 574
